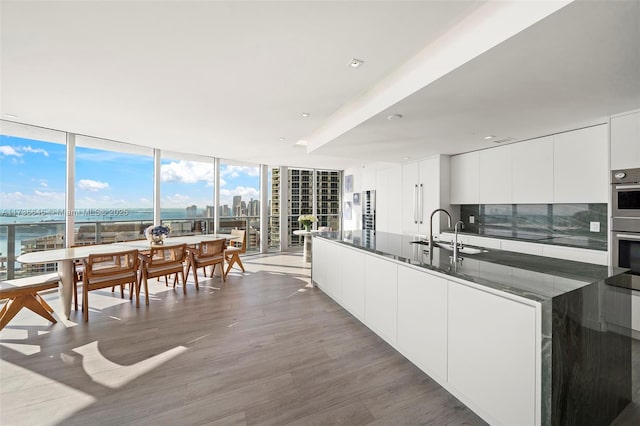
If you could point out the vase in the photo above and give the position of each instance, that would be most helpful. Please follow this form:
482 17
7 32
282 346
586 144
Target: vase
307 228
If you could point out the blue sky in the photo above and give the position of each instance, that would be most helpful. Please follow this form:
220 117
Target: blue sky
32 175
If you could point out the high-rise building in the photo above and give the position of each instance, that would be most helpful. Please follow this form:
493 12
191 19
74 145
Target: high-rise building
274 209
209 211
192 211
237 205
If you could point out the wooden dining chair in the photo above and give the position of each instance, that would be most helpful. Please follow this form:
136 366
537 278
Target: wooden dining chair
237 246
162 262
206 253
102 270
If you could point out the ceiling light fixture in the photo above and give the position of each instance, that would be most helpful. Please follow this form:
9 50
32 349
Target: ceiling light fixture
394 116
301 142
305 114
489 137
355 63
281 139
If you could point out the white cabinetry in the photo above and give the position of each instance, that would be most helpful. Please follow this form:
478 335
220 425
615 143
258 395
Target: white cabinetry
495 175
422 320
492 354
388 200
580 169
424 188
465 169
327 267
532 171
381 296
625 141
353 284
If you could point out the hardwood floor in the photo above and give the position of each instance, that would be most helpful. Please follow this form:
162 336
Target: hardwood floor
265 348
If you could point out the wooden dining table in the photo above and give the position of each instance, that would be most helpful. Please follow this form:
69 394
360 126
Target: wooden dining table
65 257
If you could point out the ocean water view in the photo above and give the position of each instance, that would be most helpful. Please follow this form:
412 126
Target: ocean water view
35 223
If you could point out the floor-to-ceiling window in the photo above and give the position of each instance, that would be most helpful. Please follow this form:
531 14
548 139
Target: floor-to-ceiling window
187 193
113 190
32 195
300 200
240 200
274 208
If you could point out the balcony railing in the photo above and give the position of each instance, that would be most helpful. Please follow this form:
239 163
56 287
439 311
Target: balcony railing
20 238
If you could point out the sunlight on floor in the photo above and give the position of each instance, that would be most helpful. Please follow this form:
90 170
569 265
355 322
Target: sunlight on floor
112 375
15 410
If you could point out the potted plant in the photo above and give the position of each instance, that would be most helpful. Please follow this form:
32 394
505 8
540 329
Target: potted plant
306 220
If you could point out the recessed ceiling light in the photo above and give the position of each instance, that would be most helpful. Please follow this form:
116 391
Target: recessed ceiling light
355 63
301 142
281 139
406 158
10 115
394 116
305 114
489 137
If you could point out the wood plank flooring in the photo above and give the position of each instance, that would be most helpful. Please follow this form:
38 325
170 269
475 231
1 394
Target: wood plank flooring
266 348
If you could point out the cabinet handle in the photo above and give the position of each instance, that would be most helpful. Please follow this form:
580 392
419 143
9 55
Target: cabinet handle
627 237
415 203
627 186
421 206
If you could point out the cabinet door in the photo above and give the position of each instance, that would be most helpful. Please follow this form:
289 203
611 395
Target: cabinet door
353 282
319 262
422 320
429 189
492 354
464 178
381 297
409 205
580 169
495 175
532 171
625 141
388 200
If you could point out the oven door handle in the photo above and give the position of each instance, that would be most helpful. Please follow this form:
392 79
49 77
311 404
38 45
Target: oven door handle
618 187
627 237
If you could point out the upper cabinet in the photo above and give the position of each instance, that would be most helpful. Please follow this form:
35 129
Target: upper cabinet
465 169
625 141
532 171
580 169
495 175
568 167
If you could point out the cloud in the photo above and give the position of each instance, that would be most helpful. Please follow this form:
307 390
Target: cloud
7 151
34 150
92 185
39 199
187 172
17 151
235 171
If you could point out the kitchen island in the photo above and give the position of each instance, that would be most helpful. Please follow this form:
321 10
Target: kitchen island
520 339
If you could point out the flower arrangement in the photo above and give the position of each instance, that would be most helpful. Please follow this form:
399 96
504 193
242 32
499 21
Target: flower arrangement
306 220
157 234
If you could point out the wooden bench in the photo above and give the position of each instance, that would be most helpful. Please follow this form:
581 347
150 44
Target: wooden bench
23 293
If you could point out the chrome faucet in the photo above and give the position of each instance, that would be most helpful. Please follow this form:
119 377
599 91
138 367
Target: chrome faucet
455 243
431 229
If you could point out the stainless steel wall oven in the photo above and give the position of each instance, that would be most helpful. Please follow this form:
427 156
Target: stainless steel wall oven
625 223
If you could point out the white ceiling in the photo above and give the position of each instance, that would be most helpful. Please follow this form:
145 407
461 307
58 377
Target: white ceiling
229 79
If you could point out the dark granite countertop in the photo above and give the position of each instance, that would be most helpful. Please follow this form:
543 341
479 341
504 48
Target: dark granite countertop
536 278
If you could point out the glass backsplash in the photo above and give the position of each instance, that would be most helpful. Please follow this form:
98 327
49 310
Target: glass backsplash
559 224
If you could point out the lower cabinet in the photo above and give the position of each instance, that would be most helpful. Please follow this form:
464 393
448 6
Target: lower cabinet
492 355
422 321
482 347
381 297
353 283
